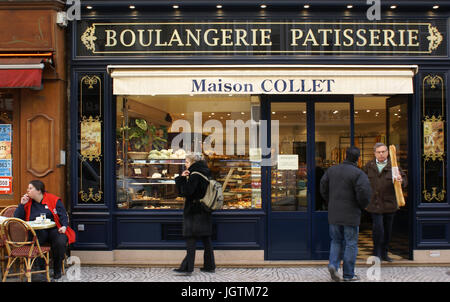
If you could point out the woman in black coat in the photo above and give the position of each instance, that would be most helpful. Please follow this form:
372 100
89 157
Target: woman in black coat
197 220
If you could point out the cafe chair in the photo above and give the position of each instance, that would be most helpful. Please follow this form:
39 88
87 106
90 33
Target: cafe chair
8 211
20 246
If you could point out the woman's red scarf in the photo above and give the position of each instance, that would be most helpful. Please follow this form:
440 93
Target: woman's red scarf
50 200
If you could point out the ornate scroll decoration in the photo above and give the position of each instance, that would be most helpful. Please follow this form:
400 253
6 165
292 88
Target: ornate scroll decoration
91 81
435 38
433 139
91 196
90 140
88 38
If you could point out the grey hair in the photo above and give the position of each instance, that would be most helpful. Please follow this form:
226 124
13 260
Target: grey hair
194 157
378 145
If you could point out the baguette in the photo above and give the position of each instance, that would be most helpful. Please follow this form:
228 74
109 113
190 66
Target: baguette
397 184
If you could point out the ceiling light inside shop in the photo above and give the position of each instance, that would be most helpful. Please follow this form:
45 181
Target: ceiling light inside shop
132 7
219 6
176 6
393 6
349 6
89 7
435 6
306 6
263 6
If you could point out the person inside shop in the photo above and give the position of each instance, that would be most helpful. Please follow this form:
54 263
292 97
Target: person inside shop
321 204
37 202
197 219
383 204
347 190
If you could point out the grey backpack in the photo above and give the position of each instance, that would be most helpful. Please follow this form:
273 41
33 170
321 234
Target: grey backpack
213 199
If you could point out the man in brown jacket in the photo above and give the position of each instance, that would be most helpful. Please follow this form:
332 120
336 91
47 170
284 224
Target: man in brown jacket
383 204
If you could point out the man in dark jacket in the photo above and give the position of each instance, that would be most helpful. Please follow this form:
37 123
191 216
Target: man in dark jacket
347 190
383 205
197 220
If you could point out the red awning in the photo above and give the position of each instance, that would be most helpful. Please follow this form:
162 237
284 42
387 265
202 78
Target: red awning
21 73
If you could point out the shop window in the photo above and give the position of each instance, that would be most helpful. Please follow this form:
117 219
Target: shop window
289 170
6 146
90 133
154 134
434 133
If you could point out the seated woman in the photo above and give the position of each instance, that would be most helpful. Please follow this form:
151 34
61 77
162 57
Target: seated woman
36 202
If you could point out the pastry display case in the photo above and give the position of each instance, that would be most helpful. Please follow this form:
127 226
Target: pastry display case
240 179
149 183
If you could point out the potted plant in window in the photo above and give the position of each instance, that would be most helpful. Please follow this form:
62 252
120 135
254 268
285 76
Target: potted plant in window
141 136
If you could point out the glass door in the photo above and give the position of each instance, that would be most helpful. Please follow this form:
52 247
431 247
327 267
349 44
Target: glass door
312 136
288 215
332 133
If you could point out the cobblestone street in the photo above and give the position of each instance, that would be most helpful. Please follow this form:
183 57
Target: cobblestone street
266 274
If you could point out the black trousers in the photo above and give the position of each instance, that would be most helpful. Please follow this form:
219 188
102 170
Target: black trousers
382 233
58 244
208 256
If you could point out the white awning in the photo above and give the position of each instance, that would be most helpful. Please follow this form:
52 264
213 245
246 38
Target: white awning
262 79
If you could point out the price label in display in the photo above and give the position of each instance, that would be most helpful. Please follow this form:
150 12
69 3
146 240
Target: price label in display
5 185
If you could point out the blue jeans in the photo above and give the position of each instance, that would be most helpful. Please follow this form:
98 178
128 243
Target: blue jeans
344 246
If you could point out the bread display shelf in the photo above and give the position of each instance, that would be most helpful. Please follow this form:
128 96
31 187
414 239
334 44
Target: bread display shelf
240 179
157 162
149 183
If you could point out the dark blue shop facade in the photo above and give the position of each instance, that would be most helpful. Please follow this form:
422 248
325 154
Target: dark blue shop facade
271 95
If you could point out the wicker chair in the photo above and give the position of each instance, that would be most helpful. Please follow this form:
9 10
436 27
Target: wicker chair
8 211
20 246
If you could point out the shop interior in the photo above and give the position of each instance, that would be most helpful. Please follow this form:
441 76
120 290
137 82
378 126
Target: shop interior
154 133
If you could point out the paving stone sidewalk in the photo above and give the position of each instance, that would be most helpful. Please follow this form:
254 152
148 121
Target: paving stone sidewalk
265 274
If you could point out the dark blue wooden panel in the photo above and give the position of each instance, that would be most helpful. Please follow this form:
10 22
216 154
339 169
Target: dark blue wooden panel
433 232
95 234
320 236
289 236
239 232
165 232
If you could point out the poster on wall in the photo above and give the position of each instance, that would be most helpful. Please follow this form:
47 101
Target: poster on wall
433 138
5 159
91 145
288 162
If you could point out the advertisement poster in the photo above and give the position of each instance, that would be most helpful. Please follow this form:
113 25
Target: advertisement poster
91 139
433 143
5 159
288 162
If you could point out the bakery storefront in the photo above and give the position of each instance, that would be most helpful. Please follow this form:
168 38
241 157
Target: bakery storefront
33 99
271 97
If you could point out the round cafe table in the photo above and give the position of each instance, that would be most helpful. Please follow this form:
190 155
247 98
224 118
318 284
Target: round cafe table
41 225
35 225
